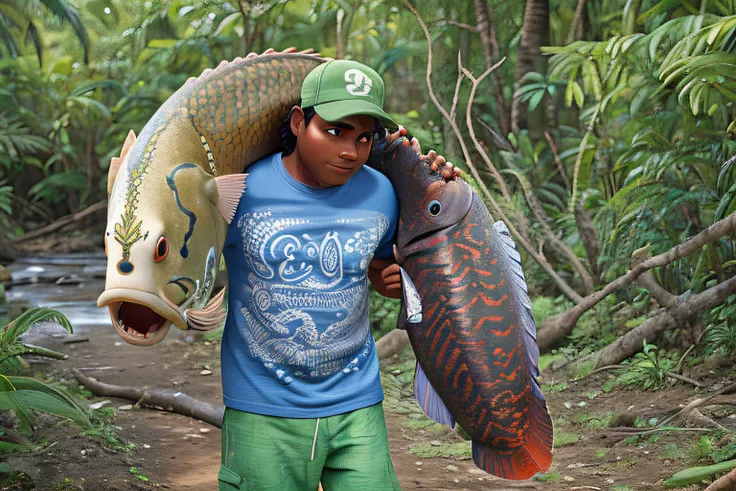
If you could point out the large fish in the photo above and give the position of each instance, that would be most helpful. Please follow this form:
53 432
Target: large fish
175 188
468 316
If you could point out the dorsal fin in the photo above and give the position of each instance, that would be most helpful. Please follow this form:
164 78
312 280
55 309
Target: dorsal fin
518 283
253 57
116 162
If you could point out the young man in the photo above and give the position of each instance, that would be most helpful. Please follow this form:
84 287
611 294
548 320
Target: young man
299 367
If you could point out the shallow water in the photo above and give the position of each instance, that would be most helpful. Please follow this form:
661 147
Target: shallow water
35 278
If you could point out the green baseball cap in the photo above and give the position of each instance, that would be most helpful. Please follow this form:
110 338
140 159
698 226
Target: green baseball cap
341 88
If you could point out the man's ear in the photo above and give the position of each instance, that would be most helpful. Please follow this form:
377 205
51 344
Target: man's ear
297 120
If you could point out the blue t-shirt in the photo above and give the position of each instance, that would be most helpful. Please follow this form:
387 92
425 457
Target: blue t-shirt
297 341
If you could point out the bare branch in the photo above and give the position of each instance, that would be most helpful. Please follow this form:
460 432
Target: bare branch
566 289
448 22
558 162
456 96
469 122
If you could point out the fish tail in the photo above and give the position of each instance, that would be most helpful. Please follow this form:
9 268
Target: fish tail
534 456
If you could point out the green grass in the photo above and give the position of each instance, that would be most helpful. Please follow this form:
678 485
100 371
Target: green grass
548 477
563 438
458 450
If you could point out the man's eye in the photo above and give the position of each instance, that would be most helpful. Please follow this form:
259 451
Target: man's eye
365 138
334 131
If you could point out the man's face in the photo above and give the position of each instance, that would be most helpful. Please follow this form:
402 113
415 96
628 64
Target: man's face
334 151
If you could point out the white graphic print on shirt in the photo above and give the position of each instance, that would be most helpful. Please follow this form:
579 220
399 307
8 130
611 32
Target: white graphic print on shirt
308 312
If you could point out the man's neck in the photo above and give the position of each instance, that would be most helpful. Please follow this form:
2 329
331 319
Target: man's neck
294 165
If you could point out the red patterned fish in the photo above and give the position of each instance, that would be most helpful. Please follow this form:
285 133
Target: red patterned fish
468 316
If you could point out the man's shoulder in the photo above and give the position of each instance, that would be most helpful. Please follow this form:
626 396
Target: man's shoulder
373 181
264 164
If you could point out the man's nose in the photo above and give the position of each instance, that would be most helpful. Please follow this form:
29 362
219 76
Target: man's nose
349 151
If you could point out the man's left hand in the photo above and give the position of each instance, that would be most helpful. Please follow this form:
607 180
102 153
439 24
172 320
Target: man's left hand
385 276
437 163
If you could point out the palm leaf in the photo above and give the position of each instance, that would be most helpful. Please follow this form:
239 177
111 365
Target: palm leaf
22 401
67 13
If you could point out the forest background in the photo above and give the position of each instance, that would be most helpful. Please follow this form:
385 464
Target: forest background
602 131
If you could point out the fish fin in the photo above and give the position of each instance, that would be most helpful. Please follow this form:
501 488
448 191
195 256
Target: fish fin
430 401
532 457
117 162
411 305
209 317
519 286
229 190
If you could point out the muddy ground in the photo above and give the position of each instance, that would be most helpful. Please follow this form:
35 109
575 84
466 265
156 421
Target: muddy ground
179 453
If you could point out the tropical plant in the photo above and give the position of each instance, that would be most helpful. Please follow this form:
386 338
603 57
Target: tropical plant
23 395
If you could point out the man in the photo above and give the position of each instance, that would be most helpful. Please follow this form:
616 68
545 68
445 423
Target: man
299 367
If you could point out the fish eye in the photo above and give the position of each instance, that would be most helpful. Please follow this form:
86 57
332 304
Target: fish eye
162 250
434 208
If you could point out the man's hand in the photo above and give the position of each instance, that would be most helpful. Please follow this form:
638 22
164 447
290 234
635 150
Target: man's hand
436 162
385 277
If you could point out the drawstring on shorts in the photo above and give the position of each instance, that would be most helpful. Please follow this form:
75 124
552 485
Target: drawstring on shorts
314 442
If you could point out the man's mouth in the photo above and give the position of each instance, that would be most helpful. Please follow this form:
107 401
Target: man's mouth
340 168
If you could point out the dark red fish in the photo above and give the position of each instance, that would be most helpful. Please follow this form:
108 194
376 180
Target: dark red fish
471 325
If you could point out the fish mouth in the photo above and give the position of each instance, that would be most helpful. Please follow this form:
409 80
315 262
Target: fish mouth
426 240
140 318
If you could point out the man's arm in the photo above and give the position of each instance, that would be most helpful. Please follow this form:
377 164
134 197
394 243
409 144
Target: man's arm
385 277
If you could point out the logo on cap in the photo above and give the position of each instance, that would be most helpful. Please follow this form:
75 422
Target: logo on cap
358 82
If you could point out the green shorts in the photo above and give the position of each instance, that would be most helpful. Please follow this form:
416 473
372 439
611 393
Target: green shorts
344 452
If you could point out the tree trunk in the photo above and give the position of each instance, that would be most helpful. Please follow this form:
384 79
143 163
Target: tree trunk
491 54
648 281
343 27
588 237
534 35
245 47
93 164
576 30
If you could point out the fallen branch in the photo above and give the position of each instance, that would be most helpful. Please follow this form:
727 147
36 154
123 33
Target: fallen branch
648 281
632 342
168 400
725 483
559 326
629 367
62 222
682 413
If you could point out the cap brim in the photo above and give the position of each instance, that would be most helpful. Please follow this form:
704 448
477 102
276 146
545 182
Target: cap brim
335 111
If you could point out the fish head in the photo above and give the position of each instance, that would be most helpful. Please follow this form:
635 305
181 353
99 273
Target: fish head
164 233
429 205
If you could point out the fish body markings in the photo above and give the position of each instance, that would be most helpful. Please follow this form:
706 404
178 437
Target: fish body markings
171 181
486 386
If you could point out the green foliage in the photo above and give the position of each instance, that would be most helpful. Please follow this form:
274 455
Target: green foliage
104 429
548 477
563 438
647 369
455 450
384 313
701 449
694 475
23 395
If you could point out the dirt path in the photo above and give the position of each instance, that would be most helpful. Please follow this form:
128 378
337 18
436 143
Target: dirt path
179 453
